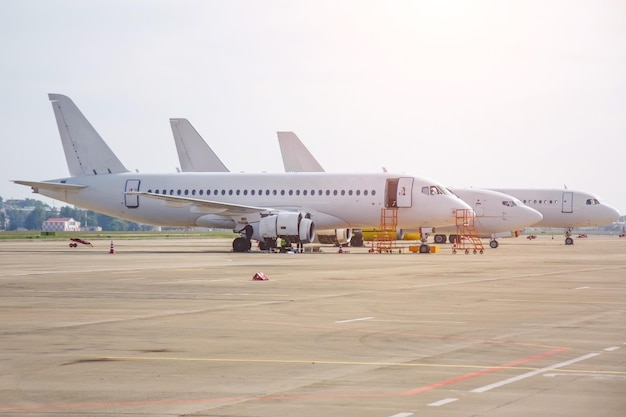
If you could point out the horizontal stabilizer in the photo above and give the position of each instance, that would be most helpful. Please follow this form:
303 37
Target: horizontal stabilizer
52 186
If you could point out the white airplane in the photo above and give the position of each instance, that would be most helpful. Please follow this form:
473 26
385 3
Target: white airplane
260 206
195 155
559 208
496 214
565 208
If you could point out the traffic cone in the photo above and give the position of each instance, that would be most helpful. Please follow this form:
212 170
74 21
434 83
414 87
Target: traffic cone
340 248
112 250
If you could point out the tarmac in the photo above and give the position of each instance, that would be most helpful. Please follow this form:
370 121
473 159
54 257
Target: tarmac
178 327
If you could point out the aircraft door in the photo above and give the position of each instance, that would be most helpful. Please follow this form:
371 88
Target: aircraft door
131 201
404 196
568 202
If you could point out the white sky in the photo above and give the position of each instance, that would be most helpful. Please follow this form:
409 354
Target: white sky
528 93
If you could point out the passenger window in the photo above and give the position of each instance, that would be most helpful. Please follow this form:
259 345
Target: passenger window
364 192
373 192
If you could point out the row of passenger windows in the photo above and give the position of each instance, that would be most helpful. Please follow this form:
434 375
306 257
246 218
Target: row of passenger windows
541 201
264 192
589 202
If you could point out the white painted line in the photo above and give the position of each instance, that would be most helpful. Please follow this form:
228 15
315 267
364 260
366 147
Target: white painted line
582 288
442 402
589 375
612 348
402 415
533 373
351 320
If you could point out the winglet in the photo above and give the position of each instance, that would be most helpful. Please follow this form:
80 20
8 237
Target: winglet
86 152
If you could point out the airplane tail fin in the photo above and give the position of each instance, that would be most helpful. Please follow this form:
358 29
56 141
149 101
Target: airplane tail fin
85 151
296 156
194 153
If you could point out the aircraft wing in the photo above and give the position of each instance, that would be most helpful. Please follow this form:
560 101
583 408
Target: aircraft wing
205 206
52 186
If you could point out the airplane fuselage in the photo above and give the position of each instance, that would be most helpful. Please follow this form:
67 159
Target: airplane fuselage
331 200
563 208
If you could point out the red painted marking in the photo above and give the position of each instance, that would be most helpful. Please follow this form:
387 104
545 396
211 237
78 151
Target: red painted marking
411 392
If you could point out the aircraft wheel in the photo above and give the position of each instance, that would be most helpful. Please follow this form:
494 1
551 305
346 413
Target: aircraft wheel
241 244
440 239
569 241
453 239
493 244
424 248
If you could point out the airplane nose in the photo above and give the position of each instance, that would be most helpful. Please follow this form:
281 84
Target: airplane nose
612 215
532 216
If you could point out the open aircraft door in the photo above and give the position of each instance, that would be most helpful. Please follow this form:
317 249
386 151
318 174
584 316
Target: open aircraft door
404 194
131 201
568 202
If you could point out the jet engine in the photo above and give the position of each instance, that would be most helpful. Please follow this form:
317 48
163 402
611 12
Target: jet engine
334 236
290 226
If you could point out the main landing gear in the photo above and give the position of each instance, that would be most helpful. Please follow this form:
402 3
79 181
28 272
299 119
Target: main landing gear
243 243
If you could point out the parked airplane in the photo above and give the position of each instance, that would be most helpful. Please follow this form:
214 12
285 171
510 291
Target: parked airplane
565 208
195 155
260 206
500 215
496 214
559 208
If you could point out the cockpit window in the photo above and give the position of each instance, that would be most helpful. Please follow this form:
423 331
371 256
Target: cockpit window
592 202
434 190
509 203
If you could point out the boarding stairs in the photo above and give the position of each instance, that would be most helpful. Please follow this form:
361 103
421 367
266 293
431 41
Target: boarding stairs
385 240
467 238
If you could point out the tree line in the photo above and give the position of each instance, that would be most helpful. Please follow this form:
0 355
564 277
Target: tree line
30 214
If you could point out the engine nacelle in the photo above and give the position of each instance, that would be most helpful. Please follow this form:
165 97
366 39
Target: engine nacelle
334 236
290 226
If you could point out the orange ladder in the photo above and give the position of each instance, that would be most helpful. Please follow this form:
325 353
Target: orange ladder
384 241
466 236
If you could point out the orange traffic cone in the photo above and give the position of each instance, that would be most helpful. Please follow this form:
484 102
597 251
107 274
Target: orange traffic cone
112 250
340 248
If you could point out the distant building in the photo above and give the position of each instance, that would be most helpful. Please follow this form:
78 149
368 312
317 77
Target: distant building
62 224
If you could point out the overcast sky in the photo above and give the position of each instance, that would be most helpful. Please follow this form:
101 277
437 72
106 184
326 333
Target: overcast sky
471 93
